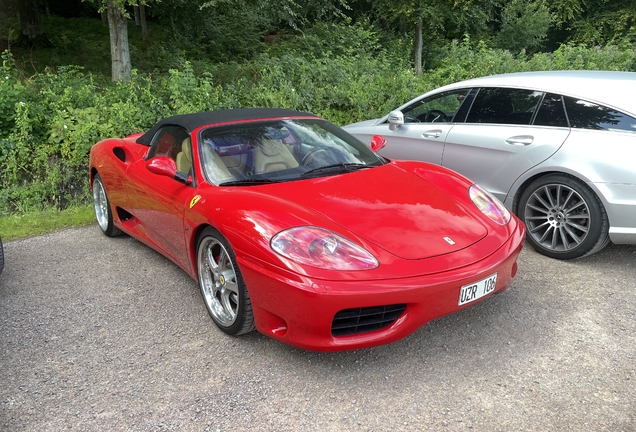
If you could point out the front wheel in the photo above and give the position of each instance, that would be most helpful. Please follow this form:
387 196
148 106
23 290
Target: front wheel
564 218
103 210
222 286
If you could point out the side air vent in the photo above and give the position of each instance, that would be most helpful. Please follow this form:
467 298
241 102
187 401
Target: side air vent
361 320
119 152
123 214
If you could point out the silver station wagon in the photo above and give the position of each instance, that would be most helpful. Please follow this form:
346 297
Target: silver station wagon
558 148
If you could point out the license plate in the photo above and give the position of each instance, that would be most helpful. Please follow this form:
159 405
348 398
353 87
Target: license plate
477 290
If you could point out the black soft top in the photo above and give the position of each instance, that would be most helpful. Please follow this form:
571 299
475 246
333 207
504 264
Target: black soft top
192 121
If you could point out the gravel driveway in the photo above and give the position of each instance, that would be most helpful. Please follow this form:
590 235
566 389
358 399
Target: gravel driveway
105 334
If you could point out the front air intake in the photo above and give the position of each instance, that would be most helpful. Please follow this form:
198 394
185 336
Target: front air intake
361 320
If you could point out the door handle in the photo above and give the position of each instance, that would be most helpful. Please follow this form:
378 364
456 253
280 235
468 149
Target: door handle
435 133
520 140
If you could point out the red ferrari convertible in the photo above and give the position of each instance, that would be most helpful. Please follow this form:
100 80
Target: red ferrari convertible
296 229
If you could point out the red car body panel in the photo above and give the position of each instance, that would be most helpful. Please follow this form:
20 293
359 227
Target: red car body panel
399 212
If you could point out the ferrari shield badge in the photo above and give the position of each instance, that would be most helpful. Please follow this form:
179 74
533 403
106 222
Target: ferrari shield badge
195 200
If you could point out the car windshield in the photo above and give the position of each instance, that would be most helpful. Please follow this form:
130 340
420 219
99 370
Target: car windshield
280 150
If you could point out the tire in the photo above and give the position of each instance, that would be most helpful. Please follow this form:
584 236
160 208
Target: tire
564 217
221 283
1 257
103 210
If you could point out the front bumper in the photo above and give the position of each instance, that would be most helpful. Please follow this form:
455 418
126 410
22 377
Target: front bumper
300 311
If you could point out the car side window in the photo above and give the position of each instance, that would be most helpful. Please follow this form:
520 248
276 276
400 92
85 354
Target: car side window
589 115
440 108
169 141
551 112
504 106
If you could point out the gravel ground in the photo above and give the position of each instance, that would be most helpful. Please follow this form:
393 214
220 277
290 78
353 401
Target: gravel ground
105 334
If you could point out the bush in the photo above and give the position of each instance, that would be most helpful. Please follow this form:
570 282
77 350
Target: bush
49 121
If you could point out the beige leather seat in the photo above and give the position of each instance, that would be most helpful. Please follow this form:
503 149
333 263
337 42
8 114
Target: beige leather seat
273 155
184 157
214 167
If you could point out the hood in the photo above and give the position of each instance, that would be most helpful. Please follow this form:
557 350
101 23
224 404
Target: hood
394 209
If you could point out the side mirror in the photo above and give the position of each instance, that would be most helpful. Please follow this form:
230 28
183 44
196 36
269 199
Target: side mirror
164 166
396 118
377 143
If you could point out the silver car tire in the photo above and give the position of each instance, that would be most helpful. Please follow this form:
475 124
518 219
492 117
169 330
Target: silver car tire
103 211
564 217
221 283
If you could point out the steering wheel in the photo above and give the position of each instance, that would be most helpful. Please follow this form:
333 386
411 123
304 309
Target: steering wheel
323 151
436 116
411 119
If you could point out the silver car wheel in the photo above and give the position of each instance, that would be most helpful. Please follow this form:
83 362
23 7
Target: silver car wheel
558 217
221 283
218 282
101 204
564 218
102 209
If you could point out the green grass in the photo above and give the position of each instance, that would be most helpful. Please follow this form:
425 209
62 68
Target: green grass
32 224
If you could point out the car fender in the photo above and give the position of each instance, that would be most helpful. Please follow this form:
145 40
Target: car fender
251 221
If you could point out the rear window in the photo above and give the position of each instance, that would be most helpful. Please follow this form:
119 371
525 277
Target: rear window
589 115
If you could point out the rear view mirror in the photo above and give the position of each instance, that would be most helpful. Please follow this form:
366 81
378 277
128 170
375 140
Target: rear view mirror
396 118
377 143
164 166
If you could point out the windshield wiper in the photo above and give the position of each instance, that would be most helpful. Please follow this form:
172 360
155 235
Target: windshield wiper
347 167
248 182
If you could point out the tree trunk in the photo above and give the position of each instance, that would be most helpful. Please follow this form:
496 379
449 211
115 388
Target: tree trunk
119 51
418 47
136 10
142 18
32 33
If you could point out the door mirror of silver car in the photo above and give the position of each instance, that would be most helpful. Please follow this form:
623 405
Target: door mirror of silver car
396 118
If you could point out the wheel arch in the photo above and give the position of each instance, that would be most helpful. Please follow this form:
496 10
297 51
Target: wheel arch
194 243
587 238
92 173
196 237
525 183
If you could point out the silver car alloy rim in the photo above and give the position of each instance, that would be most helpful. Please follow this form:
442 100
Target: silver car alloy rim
557 217
218 280
101 204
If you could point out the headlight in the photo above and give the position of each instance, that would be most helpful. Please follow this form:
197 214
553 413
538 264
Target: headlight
318 247
489 205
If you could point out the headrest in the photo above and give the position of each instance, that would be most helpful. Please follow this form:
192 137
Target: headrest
186 148
227 147
274 133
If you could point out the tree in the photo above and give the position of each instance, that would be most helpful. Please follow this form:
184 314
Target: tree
118 27
119 49
418 47
442 20
32 33
140 19
596 22
524 26
233 30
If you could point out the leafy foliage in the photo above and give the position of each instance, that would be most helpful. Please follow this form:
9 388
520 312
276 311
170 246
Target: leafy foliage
50 118
524 26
